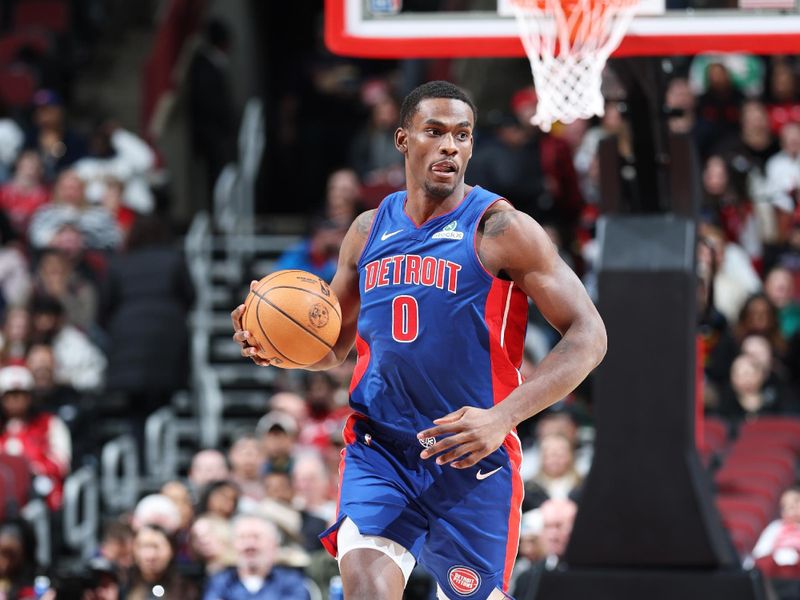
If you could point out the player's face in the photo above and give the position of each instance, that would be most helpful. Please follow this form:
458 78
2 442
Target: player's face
438 145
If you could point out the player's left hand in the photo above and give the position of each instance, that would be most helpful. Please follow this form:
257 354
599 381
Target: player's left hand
472 434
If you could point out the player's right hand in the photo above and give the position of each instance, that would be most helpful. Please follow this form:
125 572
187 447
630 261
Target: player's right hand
249 347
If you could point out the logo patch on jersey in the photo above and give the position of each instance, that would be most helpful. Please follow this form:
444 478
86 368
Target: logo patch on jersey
318 315
427 442
387 234
449 232
463 580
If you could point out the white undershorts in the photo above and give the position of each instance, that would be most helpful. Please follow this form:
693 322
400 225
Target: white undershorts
350 538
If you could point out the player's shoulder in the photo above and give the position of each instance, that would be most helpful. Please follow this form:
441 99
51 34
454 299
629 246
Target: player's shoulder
363 222
501 218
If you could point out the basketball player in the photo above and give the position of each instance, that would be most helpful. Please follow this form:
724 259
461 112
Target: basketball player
434 287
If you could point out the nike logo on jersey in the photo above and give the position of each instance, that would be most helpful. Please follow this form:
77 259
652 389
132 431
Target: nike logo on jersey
481 476
386 235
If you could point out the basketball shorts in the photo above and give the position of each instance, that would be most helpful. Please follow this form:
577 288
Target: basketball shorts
462 525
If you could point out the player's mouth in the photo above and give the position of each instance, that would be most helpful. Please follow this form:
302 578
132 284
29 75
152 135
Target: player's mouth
444 168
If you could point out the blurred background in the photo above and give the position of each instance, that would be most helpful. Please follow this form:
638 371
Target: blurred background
155 156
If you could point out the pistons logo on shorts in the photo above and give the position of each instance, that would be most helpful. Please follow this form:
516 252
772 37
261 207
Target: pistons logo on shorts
463 580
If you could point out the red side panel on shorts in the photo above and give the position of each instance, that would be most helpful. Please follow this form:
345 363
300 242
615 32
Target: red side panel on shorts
349 436
514 450
362 348
506 315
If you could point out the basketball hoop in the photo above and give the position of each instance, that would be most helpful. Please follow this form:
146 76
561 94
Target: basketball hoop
568 43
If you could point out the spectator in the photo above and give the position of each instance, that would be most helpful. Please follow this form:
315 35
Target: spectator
530 545
206 466
38 436
555 422
58 145
746 397
777 551
682 106
783 102
558 517
278 433
156 510
25 193
720 104
318 253
56 277
178 492
247 462
255 576
279 506
779 288
155 574
747 152
12 139
15 280
325 417
145 300
759 316
724 204
212 119
343 196
101 581
68 206
17 559
373 153
116 547
557 478
220 498
121 156
48 394
212 543
16 335
78 362
735 279
783 176
312 487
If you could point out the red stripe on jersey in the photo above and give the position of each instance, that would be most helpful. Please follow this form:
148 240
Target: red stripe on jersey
330 541
362 348
514 450
506 318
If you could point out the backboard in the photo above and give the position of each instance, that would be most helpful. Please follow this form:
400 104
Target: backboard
475 28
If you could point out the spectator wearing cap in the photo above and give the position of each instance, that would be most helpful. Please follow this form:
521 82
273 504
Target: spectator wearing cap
25 193
278 433
69 206
38 436
318 253
58 145
78 361
255 576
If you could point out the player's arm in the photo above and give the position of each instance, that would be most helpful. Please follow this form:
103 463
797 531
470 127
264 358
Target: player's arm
344 285
515 244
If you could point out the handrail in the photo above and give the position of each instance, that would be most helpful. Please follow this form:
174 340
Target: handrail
81 511
37 514
119 481
161 445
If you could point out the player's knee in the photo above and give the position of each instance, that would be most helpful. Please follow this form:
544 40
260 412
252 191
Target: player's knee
370 575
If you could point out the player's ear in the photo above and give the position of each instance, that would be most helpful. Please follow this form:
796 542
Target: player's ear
401 140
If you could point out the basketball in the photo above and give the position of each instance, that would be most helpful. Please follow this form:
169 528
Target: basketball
294 316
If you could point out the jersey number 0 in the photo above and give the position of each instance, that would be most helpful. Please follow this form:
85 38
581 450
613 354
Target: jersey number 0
405 319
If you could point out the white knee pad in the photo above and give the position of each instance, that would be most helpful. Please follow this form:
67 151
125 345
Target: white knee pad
349 538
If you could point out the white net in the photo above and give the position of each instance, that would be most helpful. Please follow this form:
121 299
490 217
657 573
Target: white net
568 45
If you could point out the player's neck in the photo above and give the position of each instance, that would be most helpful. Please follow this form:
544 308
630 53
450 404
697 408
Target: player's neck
422 206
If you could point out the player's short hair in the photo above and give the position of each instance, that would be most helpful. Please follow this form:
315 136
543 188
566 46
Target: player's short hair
433 89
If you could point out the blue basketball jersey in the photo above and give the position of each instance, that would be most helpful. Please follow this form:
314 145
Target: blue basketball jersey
436 330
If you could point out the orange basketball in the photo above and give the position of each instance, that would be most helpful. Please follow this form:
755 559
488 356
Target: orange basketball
294 317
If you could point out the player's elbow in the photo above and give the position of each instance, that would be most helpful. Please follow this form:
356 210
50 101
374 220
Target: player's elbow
598 341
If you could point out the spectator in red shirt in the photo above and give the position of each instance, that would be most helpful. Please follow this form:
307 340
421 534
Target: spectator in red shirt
25 193
40 437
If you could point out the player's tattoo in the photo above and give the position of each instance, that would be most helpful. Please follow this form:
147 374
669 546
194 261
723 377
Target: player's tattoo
496 224
364 221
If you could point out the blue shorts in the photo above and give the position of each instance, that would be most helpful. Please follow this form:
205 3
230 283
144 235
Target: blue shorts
462 525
